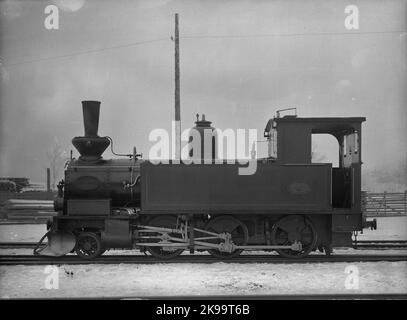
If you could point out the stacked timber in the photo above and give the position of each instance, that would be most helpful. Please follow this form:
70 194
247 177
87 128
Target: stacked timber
19 209
19 182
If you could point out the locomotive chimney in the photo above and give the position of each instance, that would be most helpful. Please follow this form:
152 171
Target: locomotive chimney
91 111
91 146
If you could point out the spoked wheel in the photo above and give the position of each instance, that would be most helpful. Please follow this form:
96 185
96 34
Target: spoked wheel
88 245
292 229
237 229
164 252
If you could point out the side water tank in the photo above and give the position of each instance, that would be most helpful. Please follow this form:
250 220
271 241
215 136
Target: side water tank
207 149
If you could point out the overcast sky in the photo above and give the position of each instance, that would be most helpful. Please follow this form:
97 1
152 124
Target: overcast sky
240 62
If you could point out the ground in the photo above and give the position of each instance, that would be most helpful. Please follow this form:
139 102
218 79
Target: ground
125 280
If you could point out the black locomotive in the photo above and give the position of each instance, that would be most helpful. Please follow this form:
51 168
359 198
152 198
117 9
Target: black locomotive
289 205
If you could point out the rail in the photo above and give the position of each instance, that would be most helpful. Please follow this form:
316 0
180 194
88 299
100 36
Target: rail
205 259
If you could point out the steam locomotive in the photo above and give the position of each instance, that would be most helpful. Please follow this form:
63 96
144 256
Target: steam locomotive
289 205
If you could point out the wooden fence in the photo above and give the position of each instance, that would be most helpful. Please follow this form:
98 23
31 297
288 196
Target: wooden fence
384 204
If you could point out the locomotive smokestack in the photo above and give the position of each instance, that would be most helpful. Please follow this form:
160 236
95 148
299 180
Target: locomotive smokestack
91 146
91 111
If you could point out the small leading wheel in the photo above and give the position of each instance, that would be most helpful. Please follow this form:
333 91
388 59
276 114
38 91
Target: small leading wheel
236 228
165 252
88 245
291 229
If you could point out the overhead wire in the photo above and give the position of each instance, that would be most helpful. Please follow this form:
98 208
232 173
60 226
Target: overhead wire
85 52
265 35
237 36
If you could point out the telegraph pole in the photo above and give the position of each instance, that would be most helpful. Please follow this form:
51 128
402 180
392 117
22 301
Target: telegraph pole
177 94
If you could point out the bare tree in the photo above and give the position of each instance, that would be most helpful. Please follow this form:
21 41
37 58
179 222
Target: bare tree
56 157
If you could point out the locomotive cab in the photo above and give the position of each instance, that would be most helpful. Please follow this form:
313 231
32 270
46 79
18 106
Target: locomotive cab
290 138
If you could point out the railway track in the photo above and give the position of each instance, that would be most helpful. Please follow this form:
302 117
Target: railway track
17 245
207 259
143 259
380 244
